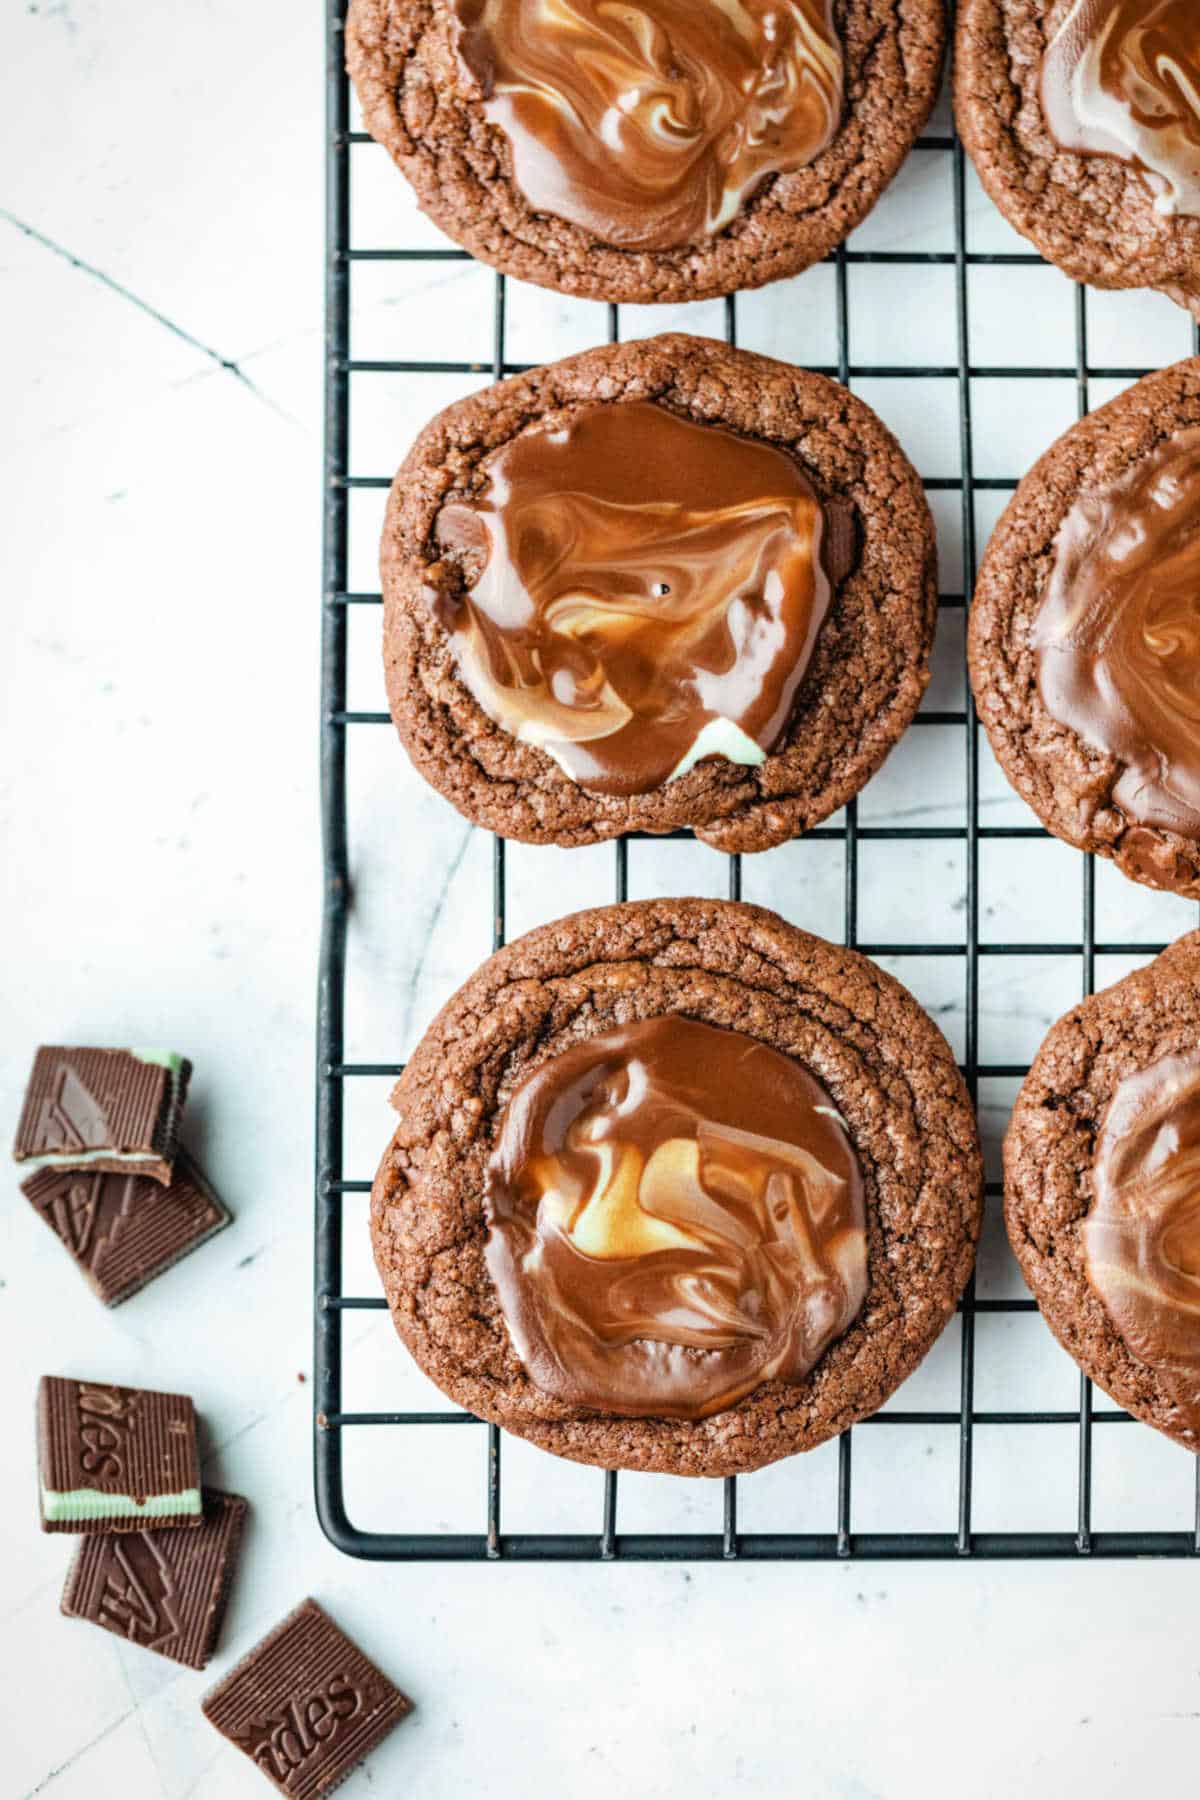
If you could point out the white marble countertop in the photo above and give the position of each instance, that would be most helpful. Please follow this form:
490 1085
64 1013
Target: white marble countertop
161 228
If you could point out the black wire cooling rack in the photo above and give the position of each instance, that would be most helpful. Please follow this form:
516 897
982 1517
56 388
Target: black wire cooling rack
599 1536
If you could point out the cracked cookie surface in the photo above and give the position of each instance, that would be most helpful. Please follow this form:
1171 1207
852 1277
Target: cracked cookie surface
420 102
883 1061
1093 216
1050 1150
1068 782
869 667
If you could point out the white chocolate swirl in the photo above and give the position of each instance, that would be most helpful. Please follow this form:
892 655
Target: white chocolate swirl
1142 1236
676 1215
640 592
1122 78
651 125
1117 637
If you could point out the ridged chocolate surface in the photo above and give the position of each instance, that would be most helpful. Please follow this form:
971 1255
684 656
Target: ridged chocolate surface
306 1705
95 1101
164 1590
130 1443
124 1230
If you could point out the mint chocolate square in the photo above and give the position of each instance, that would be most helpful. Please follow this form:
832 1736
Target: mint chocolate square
164 1590
123 1230
115 1458
107 1110
305 1704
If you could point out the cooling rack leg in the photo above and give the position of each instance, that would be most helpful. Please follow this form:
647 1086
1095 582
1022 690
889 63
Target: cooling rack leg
327 1321
971 1068
608 1532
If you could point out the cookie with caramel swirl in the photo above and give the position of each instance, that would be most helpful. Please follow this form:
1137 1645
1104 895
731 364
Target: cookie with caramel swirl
676 1186
652 149
660 585
1085 633
1102 1188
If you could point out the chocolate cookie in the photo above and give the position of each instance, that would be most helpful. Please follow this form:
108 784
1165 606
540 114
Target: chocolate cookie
658 585
1102 1188
677 1187
1083 120
665 151
1085 633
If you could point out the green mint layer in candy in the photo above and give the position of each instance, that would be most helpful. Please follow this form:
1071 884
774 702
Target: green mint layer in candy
79 1159
90 1503
165 1059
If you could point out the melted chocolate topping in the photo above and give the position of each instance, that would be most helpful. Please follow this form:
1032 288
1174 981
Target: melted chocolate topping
1122 78
640 592
1142 1235
651 125
676 1215
1117 636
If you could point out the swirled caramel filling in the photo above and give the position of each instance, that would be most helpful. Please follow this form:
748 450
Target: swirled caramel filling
676 1215
1142 1235
1122 78
651 125
1117 636
634 591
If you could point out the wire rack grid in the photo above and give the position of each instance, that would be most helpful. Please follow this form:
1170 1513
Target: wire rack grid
599 1536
